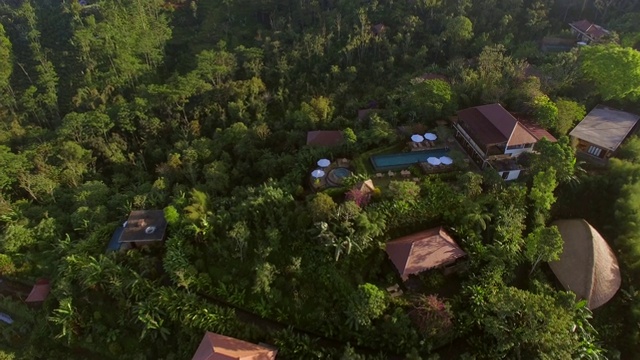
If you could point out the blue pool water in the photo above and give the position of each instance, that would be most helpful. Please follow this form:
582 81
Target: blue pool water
337 175
404 160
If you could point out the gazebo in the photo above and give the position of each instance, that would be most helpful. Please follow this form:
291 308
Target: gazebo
428 249
587 266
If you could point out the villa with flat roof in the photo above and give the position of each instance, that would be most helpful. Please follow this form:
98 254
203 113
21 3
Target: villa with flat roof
493 137
602 132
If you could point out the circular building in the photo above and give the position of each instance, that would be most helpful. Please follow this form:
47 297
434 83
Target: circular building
587 266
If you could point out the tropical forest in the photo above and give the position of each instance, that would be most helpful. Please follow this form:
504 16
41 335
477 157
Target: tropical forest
319 179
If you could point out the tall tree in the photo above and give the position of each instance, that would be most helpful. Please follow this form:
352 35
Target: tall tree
543 244
614 70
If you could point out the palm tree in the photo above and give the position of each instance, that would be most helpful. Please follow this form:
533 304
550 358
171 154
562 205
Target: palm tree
477 218
66 316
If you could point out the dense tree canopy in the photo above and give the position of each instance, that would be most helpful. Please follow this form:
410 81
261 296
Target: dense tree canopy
614 70
201 109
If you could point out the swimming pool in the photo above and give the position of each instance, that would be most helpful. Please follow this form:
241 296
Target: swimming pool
336 176
404 160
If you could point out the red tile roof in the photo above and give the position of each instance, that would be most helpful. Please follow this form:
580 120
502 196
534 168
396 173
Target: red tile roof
421 251
324 138
39 292
492 124
582 25
587 27
219 347
537 131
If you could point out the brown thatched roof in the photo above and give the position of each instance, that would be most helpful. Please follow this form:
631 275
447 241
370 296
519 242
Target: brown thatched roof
428 249
587 266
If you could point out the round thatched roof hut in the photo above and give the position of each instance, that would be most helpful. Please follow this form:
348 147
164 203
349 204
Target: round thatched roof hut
587 266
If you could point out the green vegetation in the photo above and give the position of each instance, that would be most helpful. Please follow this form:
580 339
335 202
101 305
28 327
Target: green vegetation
201 109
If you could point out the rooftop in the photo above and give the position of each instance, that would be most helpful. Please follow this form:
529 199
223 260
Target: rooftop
587 265
605 127
219 347
144 226
589 28
422 251
40 291
492 124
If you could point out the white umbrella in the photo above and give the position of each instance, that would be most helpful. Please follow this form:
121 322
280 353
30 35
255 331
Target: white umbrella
433 161
446 160
324 162
430 136
417 138
317 173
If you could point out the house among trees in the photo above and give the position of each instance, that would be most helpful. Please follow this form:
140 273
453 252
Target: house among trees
39 292
587 266
428 249
587 32
493 137
602 132
218 347
325 138
142 228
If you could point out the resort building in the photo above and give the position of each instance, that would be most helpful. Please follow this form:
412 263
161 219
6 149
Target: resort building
587 32
602 131
493 137
217 347
428 249
587 266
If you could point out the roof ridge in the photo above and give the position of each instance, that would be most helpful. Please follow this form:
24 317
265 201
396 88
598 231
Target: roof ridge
591 258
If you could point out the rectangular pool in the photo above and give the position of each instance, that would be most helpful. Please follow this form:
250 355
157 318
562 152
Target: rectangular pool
404 160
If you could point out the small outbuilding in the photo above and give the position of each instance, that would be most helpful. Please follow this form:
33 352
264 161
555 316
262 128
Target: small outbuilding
39 292
366 187
219 347
143 227
428 249
587 266
602 132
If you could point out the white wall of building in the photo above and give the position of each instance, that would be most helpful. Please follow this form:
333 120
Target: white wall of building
516 152
511 175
